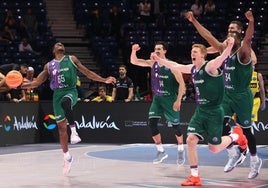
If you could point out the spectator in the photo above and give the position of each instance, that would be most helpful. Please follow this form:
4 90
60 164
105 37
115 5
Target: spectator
7 34
103 97
80 90
197 9
92 92
16 95
97 23
24 46
30 93
31 23
145 11
210 8
3 40
116 21
22 30
123 89
10 22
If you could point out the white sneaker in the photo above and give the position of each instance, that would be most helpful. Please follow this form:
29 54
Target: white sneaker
255 167
67 165
234 159
243 156
160 156
75 138
181 157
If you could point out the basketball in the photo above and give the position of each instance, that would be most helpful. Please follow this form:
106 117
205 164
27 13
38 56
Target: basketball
14 79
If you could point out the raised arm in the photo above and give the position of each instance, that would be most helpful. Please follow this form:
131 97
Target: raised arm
245 50
218 46
136 61
172 64
214 64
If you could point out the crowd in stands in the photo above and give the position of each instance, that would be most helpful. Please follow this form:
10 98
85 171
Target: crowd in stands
24 33
114 26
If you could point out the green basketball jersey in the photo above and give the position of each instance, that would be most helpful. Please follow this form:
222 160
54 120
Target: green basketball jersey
163 81
209 89
63 73
237 76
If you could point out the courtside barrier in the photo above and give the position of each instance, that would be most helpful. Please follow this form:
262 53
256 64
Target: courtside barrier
123 123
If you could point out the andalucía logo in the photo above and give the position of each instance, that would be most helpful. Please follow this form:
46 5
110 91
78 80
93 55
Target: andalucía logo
7 120
49 122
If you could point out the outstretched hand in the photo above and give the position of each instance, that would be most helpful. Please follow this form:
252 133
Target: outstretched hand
110 80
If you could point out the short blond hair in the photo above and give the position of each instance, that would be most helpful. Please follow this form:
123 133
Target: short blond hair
202 48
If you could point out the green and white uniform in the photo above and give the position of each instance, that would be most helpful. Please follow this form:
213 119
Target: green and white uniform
208 116
165 90
63 79
238 98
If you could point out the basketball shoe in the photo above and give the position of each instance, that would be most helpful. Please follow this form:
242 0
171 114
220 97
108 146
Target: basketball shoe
234 158
192 181
67 165
255 166
160 156
242 140
180 157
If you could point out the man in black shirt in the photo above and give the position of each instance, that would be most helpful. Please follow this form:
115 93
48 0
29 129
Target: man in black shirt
123 89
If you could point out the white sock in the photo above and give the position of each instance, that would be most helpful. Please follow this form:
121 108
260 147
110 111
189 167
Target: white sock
73 129
180 147
160 147
194 172
234 136
66 155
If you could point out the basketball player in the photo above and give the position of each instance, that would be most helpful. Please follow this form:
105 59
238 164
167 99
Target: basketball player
62 72
238 97
209 114
168 90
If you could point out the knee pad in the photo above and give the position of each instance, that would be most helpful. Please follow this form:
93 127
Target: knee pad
153 126
177 130
66 104
228 122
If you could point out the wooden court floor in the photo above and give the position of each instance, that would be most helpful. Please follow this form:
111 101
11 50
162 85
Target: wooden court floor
118 166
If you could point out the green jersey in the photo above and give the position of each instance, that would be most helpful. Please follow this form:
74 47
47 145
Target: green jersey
164 82
63 73
209 89
237 76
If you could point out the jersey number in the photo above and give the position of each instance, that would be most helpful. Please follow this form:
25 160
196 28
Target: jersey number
61 79
227 77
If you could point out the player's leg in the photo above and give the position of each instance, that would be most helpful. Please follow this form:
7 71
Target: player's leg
174 118
194 132
66 104
155 113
